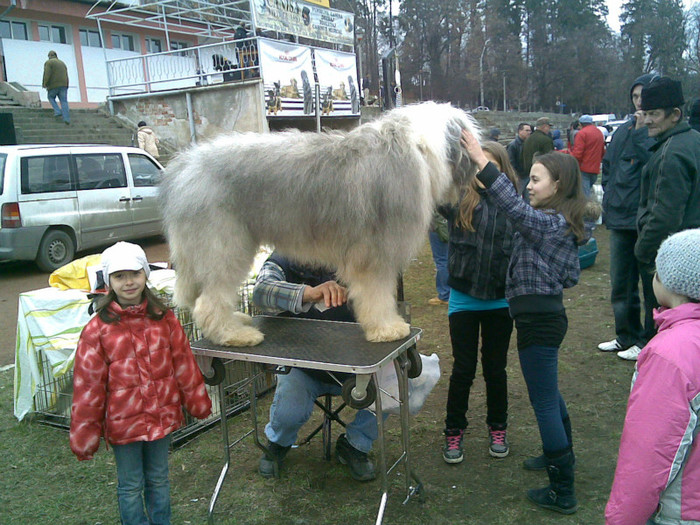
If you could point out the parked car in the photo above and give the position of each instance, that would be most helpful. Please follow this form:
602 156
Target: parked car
60 199
613 125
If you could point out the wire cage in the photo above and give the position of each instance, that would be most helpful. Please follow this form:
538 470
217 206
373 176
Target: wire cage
54 395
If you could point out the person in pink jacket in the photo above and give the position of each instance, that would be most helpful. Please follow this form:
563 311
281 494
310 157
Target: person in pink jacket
657 480
133 372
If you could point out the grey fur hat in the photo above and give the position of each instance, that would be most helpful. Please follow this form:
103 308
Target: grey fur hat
678 263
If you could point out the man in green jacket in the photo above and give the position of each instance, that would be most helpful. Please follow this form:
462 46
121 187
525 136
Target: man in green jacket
56 84
670 187
538 143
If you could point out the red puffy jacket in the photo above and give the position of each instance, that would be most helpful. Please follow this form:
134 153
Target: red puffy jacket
131 379
589 148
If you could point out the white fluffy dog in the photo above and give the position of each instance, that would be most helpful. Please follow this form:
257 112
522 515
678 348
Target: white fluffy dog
360 202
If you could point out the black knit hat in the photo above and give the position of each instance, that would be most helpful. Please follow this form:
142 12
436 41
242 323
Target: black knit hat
662 92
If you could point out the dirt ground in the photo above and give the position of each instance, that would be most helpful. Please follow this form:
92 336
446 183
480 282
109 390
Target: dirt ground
481 490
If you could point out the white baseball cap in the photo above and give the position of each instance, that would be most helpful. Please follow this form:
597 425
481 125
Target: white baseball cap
124 256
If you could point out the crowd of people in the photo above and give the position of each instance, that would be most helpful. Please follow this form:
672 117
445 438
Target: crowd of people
512 249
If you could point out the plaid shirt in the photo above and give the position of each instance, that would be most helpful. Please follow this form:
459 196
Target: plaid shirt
545 256
275 295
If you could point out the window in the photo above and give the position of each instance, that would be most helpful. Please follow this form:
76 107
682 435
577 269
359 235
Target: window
153 45
45 174
90 38
3 159
174 46
100 171
55 34
15 30
125 42
143 170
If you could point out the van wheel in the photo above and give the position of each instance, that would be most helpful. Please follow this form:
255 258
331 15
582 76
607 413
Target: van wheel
55 250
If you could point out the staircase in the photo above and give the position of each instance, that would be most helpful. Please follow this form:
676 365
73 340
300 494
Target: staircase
88 126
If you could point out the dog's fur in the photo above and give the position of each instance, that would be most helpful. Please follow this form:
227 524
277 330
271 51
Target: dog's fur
359 201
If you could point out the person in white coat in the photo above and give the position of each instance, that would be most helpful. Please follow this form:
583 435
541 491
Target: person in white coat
147 139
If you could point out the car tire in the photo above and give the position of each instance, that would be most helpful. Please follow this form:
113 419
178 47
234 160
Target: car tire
56 249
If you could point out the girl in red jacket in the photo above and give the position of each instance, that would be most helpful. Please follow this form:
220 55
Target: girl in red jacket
133 372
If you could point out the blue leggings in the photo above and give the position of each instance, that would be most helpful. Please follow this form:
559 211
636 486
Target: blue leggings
540 370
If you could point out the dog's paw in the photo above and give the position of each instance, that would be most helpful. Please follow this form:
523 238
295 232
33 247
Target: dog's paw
389 332
245 336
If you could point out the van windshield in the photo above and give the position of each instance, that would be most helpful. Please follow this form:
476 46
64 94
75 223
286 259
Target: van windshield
3 158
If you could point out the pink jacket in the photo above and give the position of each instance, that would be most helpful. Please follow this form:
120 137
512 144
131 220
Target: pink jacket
131 379
658 468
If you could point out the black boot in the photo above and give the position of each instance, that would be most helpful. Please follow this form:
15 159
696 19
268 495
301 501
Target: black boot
540 462
559 495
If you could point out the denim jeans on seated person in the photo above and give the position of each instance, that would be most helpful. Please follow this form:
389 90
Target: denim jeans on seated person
142 474
294 402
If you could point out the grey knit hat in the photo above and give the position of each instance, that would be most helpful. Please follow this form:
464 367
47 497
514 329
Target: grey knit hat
678 263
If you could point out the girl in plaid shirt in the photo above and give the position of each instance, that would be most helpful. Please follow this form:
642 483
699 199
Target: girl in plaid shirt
544 262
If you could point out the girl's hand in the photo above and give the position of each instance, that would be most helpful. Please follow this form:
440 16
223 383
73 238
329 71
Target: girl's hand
473 148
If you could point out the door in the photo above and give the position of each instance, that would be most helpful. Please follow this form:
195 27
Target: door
146 176
104 199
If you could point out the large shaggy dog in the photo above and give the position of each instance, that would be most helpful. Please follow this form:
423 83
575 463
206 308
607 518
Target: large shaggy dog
359 201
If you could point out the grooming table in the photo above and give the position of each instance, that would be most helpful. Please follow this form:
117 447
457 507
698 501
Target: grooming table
329 346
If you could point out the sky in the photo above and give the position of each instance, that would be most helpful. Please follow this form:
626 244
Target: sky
614 12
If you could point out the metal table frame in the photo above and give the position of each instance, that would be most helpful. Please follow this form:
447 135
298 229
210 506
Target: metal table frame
329 346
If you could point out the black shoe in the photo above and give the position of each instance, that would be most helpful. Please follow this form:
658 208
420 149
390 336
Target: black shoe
271 461
361 468
559 496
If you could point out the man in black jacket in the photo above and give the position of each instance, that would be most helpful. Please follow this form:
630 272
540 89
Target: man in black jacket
624 159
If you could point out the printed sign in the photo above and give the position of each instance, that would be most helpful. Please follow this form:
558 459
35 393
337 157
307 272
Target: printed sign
288 74
337 76
306 20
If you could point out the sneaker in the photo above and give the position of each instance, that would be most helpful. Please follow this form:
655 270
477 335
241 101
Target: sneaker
498 443
610 346
271 461
631 354
436 301
453 450
361 468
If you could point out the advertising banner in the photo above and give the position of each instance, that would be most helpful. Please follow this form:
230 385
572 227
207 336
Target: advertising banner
337 76
287 71
305 19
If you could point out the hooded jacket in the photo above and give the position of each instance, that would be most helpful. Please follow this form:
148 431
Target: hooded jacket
131 379
148 140
658 467
623 162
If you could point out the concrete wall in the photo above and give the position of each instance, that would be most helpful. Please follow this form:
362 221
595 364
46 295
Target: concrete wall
215 110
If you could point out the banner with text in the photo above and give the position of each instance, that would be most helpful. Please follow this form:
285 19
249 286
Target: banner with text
306 20
337 76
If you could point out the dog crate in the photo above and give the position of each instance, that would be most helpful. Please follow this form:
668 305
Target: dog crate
54 395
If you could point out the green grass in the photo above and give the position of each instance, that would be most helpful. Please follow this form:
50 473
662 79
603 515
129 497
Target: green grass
41 482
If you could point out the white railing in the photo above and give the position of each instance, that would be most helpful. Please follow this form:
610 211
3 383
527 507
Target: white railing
189 67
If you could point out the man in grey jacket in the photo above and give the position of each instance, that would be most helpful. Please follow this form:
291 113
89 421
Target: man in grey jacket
624 159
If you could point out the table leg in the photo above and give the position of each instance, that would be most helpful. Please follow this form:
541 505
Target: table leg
227 454
381 450
401 365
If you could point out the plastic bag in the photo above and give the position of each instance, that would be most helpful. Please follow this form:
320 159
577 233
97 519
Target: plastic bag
76 275
418 387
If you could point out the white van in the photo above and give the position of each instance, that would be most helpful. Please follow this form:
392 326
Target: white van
59 199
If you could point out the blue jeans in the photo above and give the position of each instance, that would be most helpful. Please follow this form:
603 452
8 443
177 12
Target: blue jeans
624 294
587 181
142 474
540 370
62 94
439 250
294 402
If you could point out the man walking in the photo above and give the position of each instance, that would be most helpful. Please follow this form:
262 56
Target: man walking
670 190
589 148
538 143
627 154
56 84
515 152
